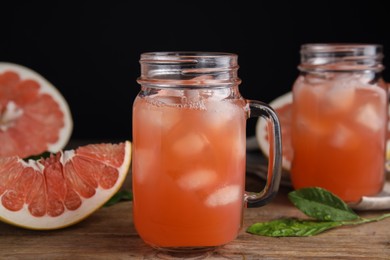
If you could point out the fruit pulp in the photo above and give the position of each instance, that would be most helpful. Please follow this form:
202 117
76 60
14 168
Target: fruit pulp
339 135
188 170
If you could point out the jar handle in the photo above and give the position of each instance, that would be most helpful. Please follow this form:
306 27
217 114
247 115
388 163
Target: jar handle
260 109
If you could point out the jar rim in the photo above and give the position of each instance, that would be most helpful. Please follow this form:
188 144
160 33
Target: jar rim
341 56
341 45
188 54
189 68
366 49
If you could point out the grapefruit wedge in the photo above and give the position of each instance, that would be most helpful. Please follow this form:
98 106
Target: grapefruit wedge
63 189
34 116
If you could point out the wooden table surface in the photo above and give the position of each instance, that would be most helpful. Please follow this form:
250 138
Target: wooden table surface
109 233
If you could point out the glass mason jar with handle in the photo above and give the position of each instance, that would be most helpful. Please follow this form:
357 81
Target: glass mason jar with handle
339 120
189 151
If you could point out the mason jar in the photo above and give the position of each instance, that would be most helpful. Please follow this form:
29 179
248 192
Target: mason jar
189 151
339 120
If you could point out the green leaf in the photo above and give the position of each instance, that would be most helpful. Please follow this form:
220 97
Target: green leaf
119 196
327 209
321 204
291 227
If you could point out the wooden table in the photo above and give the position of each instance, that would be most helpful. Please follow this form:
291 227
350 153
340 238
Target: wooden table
109 234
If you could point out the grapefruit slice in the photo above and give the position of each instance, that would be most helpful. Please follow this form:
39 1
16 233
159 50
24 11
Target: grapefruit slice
63 189
282 107
34 116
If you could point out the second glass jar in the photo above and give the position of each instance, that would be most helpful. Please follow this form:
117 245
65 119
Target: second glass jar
339 120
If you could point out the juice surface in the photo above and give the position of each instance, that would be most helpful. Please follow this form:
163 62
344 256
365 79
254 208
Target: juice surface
338 135
188 171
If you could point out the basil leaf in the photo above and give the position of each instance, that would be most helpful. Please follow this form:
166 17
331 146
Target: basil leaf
328 211
291 227
321 204
119 196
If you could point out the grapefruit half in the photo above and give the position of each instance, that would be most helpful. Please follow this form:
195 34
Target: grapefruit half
34 116
63 189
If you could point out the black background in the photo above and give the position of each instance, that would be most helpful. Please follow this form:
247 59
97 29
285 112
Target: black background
90 50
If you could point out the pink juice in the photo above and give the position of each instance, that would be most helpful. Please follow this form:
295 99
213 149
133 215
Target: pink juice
188 171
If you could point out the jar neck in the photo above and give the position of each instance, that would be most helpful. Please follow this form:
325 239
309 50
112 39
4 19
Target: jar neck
341 57
188 69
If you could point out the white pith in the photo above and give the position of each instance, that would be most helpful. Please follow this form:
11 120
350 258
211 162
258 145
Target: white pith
24 218
8 116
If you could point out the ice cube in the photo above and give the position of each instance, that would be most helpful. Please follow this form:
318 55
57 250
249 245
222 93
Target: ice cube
191 95
369 117
156 113
219 112
310 127
224 196
340 97
197 179
190 144
343 137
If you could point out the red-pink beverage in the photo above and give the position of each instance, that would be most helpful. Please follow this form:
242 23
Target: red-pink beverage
192 160
339 123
